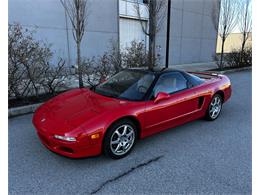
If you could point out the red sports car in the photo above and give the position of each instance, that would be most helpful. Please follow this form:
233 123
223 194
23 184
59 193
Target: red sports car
131 105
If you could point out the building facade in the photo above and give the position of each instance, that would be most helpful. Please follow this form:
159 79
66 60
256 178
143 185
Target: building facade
192 36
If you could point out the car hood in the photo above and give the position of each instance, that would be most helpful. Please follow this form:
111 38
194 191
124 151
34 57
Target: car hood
71 109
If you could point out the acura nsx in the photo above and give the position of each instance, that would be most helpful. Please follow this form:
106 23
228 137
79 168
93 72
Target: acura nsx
135 103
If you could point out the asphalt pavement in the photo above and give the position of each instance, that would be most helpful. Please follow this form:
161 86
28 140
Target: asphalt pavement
200 157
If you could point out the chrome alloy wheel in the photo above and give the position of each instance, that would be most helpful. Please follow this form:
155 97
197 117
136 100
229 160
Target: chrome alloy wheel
215 107
122 139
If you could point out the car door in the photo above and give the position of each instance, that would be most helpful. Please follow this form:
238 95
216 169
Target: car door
181 103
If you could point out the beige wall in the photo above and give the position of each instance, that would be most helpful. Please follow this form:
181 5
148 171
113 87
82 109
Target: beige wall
232 42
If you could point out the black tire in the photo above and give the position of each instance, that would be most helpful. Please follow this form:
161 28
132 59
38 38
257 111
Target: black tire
108 149
209 115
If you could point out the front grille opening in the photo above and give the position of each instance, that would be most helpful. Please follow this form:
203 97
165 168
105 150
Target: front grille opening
66 149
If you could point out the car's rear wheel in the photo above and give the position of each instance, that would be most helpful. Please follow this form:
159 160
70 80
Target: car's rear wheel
214 108
120 139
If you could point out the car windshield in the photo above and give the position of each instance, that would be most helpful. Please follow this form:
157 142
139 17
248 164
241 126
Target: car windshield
127 84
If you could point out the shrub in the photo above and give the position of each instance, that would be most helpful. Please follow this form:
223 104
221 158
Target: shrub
115 56
232 59
247 57
29 71
31 74
104 68
135 55
236 58
55 78
27 61
96 70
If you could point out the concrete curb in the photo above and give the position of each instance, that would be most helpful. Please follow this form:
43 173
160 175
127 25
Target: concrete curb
232 70
12 112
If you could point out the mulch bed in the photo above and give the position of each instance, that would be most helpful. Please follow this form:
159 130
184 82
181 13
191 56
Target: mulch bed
12 103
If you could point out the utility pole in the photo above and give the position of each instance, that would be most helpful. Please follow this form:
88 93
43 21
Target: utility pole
168 34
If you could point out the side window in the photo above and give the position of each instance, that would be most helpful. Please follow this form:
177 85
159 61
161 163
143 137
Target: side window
170 83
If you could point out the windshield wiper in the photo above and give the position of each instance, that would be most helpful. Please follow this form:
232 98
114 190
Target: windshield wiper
112 96
124 98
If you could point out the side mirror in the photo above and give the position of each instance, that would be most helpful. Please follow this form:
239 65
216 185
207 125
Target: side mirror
161 96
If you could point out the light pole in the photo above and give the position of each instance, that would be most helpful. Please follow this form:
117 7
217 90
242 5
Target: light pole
168 33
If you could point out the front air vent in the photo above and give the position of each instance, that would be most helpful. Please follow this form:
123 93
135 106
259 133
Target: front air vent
201 101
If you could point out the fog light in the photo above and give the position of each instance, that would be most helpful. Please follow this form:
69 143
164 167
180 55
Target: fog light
69 139
95 136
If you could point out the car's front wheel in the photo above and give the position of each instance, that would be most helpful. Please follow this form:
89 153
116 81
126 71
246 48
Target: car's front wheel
214 108
120 139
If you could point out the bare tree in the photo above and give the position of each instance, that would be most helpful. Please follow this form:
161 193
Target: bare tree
245 21
77 12
156 10
225 21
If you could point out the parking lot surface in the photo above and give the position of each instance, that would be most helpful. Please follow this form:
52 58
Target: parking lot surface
199 157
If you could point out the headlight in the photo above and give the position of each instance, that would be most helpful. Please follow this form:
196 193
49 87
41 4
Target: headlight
69 139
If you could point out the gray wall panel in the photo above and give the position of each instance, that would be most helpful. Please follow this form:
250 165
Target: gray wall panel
178 4
208 29
48 13
192 25
195 6
193 37
208 48
209 6
96 43
103 15
190 51
49 16
176 23
175 45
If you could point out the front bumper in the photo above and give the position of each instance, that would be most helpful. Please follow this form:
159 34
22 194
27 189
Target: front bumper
77 149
